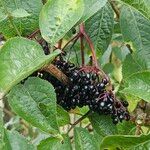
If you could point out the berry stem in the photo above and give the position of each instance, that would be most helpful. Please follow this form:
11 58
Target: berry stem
82 50
94 59
90 44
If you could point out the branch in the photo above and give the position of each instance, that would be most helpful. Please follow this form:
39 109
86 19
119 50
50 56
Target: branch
53 70
75 37
60 44
33 34
116 10
79 120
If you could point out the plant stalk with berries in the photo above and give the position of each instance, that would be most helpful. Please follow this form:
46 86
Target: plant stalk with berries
87 85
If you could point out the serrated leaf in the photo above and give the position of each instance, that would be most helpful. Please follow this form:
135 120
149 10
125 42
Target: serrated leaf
138 85
12 26
58 17
91 7
20 57
100 27
141 5
53 143
131 65
126 142
15 141
101 122
25 100
84 140
136 30
126 128
18 13
62 116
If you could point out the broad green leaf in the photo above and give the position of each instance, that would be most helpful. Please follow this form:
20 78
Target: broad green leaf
18 13
15 141
53 143
127 142
101 122
126 128
131 65
138 85
91 7
25 100
141 5
58 17
100 27
62 116
20 57
84 140
12 26
136 30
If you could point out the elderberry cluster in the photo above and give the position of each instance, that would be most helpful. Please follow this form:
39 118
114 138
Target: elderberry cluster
85 89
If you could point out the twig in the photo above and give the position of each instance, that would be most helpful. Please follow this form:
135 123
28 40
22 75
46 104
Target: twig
33 34
79 120
114 7
53 70
9 113
60 44
75 37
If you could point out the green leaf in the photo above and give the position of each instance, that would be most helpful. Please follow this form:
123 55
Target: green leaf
126 141
100 28
53 143
126 128
15 141
15 24
105 58
91 7
58 17
131 65
25 100
133 101
142 6
20 57
136 30
18 13
62 116
84 140
138 85
101 122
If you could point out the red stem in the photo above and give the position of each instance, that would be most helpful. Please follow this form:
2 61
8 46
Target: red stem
90 44
82 50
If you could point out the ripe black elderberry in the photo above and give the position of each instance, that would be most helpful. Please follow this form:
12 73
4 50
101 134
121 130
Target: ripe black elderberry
86 89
